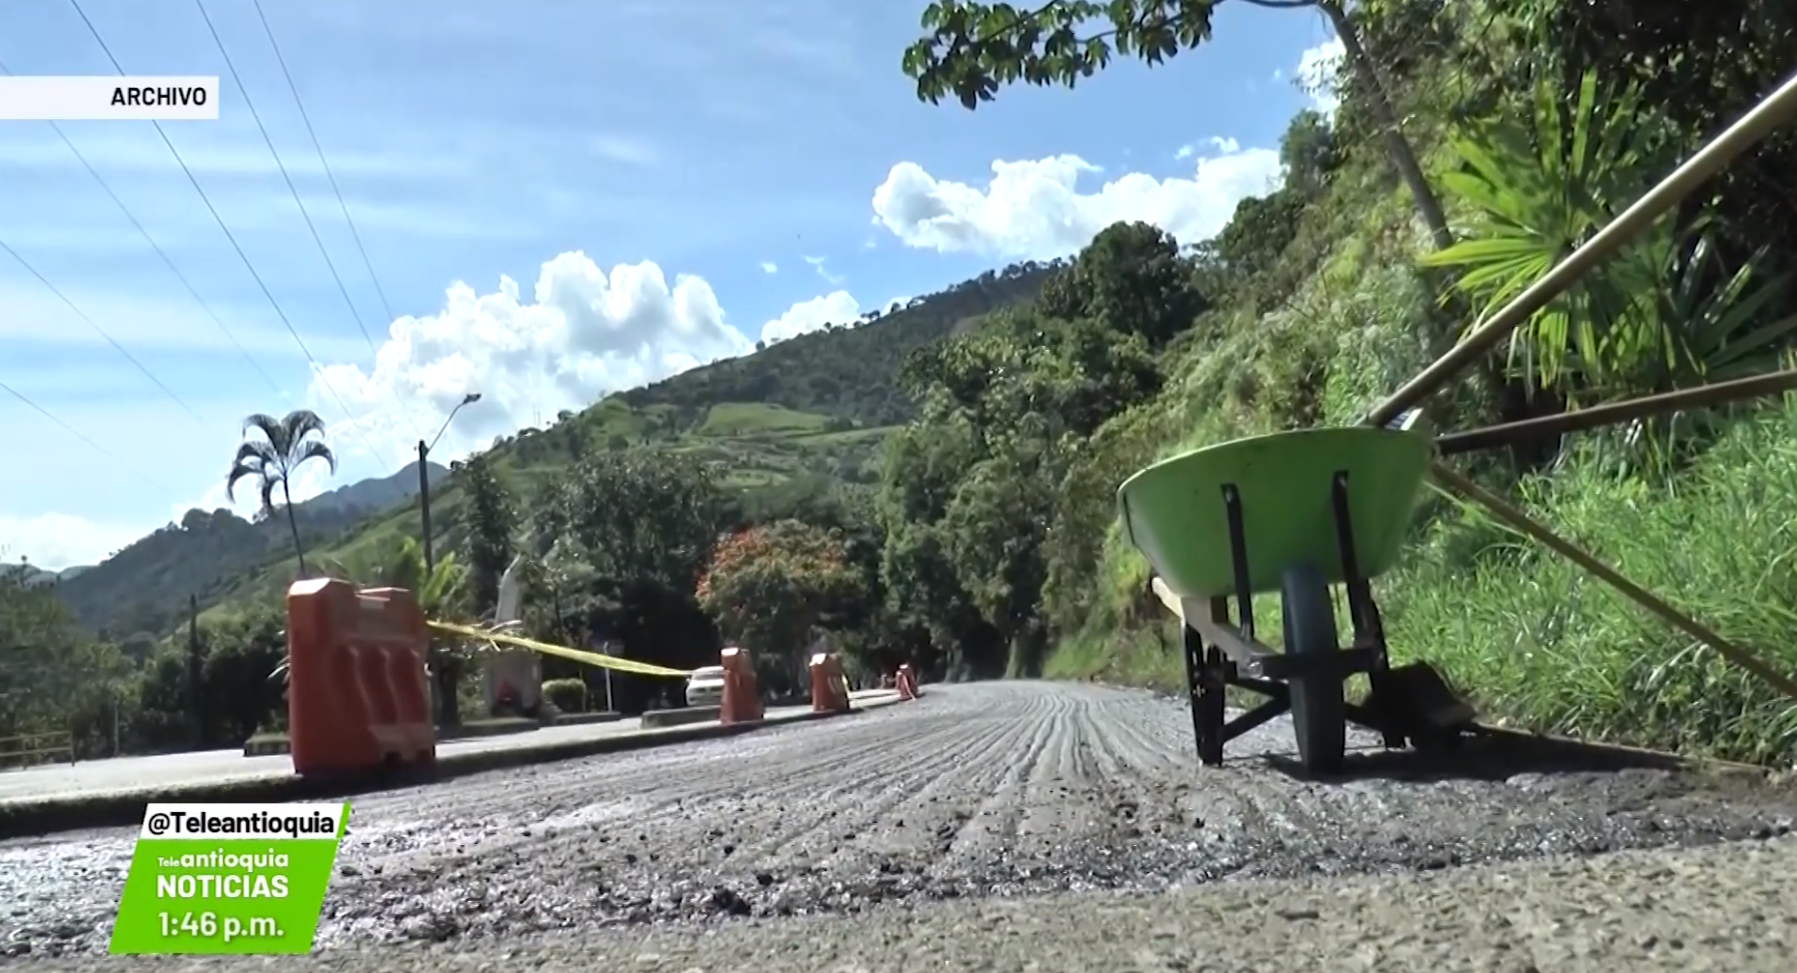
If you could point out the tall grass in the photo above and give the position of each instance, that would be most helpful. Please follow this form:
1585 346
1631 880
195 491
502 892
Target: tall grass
1542 645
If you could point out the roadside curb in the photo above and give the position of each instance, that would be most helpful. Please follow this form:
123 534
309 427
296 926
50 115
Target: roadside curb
275 744
28 818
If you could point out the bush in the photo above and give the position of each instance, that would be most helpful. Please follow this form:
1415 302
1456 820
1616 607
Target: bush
568 695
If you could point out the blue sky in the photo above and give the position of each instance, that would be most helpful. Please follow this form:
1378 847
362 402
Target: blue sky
558 198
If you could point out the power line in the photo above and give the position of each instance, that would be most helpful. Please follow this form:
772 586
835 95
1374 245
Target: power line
103 451
232 237
102 332
166 259
293 190
381 292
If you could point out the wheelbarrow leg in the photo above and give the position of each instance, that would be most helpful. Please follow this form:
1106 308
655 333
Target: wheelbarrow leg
1192 648
1362 611
1214 681
1203 684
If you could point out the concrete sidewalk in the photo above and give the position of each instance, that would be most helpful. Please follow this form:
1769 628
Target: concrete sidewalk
31 800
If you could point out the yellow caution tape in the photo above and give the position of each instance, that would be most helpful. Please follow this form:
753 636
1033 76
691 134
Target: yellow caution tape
588 658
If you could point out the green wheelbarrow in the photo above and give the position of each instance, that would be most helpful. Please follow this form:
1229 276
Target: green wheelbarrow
1298 513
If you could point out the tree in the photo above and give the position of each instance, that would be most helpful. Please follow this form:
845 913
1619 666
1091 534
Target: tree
637 527
973 49
492 520
967 490
1131 278
768 587
285 446
642 514
1309 153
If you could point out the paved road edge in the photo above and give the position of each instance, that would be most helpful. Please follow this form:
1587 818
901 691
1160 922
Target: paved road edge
29 819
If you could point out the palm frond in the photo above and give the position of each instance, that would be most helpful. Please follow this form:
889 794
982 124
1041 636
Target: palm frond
249 463
272 429
313 449
299 424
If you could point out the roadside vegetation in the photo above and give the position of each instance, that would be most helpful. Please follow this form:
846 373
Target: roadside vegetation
945 495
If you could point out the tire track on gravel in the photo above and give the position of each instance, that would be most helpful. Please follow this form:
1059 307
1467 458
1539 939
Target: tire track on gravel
975 790
926 776
991 828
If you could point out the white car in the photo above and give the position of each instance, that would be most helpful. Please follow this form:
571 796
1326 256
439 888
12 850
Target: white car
705 687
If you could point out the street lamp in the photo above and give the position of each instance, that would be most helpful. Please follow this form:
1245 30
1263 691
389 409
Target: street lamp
445 694
424 477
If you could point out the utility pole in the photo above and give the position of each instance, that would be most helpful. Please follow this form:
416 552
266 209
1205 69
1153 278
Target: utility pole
424 501
198 725
424 479
445 689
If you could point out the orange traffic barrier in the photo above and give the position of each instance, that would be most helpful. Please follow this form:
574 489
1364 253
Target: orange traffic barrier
907 682
742 698
829 689
357 696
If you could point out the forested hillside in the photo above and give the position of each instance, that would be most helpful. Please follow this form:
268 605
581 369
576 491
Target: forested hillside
945 494
848 370
145 588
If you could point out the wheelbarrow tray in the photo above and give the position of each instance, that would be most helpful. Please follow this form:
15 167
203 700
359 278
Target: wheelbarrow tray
1175 514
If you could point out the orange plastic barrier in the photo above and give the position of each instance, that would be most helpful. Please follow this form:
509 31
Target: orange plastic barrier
742 697
907 682
357 696
829 690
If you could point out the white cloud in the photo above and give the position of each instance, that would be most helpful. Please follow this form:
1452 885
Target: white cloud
142 319
1034 209
1316 76
769 267
55 541
833 308
625 149
582 333
1223 146
127 150
817 264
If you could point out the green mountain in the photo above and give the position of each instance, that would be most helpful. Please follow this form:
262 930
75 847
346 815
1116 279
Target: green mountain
790 417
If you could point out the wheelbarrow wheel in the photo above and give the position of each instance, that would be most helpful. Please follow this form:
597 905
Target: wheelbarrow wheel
1319 710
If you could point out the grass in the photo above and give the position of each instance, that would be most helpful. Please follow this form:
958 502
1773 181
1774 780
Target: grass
1549 648
742 419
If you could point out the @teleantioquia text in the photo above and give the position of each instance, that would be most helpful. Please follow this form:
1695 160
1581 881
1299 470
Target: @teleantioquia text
175 822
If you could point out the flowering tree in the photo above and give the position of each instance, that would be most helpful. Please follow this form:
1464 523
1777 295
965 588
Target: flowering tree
769 586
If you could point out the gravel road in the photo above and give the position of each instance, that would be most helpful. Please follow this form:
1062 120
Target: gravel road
965 801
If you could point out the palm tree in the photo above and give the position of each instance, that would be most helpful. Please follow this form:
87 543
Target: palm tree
285 446
398 562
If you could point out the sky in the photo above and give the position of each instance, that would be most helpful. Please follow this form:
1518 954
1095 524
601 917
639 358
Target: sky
557 199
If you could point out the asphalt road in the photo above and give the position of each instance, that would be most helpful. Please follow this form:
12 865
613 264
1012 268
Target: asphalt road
972 814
